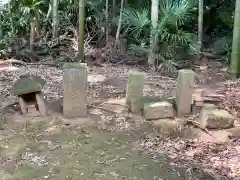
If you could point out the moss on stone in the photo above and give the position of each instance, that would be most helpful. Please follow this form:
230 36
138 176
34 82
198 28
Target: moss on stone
75 65
134 92
28 84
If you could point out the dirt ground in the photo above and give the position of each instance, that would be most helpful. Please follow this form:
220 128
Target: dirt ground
52 150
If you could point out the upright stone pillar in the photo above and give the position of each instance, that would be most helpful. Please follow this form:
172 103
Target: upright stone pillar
74 87
184 91
134 92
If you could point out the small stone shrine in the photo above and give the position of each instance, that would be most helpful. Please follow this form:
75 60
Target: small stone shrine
28 89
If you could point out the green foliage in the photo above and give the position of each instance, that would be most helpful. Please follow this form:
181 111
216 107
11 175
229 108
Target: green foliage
136 22
169 33
223 46
176 30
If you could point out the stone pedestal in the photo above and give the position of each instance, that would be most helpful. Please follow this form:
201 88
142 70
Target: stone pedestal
74 87
134 92
184 91
28 90
32 102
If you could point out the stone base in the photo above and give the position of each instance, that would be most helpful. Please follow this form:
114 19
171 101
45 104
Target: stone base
158 110
216 119
32 104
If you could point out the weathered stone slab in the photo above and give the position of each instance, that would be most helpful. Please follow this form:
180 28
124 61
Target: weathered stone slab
158 110
23 105
198 108
167 127
41 105
216 118
134 92
184 91
74 90
28 84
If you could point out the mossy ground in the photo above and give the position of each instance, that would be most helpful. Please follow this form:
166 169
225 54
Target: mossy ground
30 152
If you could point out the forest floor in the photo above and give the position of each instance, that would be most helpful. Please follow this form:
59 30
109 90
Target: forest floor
109 82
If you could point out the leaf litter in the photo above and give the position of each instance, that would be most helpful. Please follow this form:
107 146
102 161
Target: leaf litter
110 81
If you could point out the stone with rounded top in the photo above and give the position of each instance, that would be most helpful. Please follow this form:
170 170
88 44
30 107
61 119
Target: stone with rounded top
28 84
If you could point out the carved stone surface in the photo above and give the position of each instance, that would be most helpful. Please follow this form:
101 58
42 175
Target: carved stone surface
74 87
184 91
134 92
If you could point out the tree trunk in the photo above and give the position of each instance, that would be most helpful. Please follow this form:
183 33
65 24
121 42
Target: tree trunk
49 9
106 19
117 41
1 32
114 9
81 31
125 3
153 40
37 21
32 35
55 18
200 25
235 61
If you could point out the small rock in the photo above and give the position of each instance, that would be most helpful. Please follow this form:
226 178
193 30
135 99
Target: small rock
190 132
121 101
97 78
115 105
167 127
234 132
158 110
220 136
216 119
95 111
52 130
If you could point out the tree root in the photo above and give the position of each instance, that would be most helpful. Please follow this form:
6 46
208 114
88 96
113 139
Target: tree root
188 121
104 109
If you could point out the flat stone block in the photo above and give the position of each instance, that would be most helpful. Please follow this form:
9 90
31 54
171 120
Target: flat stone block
198 108
216 119
158 110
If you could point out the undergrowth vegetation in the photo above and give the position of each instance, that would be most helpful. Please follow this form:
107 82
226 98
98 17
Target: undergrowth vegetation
176 31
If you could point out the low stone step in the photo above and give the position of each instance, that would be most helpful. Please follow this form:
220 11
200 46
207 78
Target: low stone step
158 110
216 118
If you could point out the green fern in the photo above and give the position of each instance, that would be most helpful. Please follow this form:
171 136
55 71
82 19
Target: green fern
135 21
